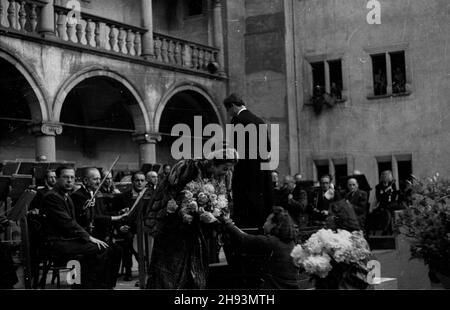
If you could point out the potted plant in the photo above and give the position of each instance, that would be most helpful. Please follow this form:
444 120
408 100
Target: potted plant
426 223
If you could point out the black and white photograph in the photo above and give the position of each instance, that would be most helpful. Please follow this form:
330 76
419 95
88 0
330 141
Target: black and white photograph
246 147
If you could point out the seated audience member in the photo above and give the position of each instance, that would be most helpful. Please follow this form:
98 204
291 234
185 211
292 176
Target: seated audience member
322 199
297 203
126 230
358 199
92 215
386 195
66 238
272 249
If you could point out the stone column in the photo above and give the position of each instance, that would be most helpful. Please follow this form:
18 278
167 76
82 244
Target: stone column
47 27
218 34
46 140
147 23
327 77
147 147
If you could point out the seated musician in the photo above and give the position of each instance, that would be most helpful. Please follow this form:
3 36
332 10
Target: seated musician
126 230
92 215
8 276
66 238
108 186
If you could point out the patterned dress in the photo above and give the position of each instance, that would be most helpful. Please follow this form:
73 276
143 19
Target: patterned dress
180 255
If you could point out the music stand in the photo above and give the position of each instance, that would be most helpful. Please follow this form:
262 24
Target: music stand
19 183
146 168
10 167
156 168
5 181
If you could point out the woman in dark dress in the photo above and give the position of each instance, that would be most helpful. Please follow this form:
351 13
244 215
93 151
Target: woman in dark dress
180 255
272 249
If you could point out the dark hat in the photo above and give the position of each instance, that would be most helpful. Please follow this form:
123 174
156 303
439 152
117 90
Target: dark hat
233 99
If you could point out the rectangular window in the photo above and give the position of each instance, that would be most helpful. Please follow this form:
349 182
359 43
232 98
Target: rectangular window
336 84
327 78
389 73
318 70
398 72
379 74
404 170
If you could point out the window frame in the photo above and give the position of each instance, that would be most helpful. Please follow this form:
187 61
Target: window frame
387 50
326 59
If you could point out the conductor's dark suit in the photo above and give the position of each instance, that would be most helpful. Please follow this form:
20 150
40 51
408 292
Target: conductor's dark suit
252 187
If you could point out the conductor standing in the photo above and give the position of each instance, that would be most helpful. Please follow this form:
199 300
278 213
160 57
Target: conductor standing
251 186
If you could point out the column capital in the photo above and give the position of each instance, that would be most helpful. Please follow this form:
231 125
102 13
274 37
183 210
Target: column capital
45 129
217 3
144 138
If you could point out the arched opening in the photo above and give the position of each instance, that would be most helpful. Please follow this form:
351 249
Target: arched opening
18 106
98 121
181 108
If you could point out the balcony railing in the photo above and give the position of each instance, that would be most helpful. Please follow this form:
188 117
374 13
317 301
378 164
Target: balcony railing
100 34
23 16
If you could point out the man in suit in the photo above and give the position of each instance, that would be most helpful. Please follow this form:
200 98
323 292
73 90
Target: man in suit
67 238
322 200
152 180
92 215
251 186
49 182
358 199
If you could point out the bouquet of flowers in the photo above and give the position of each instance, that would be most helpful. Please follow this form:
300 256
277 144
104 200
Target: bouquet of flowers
426 222
334 259
205 199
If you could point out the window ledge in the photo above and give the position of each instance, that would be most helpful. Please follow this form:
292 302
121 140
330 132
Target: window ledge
341 101
405 94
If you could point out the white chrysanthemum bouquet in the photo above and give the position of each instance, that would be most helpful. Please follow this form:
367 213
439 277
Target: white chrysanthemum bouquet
333 254
205 198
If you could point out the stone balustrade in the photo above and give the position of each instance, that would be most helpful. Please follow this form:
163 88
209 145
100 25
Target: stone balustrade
183 53
97 32
23 16
104 35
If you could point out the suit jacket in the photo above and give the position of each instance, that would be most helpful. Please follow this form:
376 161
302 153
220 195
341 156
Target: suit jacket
252 187
358 199
60 223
